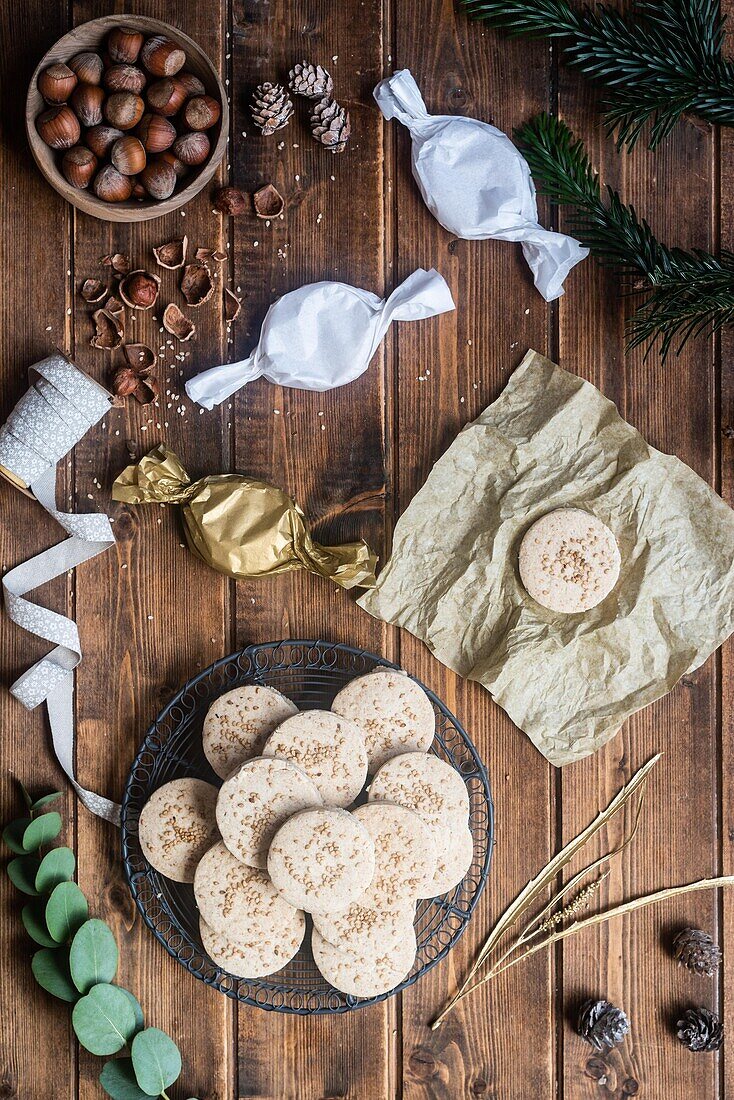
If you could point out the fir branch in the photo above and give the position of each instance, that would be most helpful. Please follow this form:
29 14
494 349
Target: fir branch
665 63
688 293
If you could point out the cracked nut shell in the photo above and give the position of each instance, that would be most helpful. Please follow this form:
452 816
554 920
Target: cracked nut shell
140 289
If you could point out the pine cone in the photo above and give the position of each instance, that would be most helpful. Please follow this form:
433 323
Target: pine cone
330 124
311 81
700 1029
272 107
696 951
602 1025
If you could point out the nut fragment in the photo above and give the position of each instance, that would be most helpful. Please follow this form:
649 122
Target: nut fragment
109 332
177 323
135 379
114 306
232 305
196 285
140 289
139 356
206 255
93 291
172 254
230 200
268 202
119 262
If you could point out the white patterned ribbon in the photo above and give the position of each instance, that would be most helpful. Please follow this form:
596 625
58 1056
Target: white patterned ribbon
57 411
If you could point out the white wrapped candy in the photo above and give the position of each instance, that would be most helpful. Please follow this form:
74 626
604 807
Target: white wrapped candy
323 335
477 184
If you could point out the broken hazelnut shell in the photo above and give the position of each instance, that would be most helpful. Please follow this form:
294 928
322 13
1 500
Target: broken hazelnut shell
172 254
232 305
109 332
207 254
197 286
114 306
139 356
177 323
119 262
268 202
231 201
93 291
140 289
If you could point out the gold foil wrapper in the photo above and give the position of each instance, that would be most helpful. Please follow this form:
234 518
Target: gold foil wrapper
241 526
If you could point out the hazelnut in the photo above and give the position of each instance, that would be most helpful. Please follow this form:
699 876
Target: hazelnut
123 45
191 83
168 157
57 82
161 57
59 127
192 148
128 155
124 110
156 133
79 165
124 78
100 139
230 200
88 67
166 96
201 112
111 186
87 100
140 289
158 178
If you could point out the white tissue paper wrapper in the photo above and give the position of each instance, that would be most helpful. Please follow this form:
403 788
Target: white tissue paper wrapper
477 184
323 335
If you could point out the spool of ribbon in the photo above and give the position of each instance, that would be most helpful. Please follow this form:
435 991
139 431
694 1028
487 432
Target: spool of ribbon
57 411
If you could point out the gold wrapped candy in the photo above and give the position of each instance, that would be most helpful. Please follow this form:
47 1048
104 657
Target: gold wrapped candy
241 526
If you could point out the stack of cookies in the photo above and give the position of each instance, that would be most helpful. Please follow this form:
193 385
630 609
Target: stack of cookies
290 833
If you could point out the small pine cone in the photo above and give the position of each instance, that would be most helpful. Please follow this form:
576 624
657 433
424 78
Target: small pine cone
330 124
602 1025
311 81
700 1029
272 107
696 951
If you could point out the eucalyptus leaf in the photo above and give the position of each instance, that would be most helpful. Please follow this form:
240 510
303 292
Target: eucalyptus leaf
34 923
118 1080
135 1004
66 911
104 1020
156 1060
56 866
94 956
46 799
51 971
13 834
42 830
22 873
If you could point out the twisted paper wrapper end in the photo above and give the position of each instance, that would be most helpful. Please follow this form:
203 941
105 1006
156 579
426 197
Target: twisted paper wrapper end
241 526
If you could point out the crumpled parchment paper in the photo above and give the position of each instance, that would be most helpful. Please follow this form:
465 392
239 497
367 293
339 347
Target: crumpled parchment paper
569 681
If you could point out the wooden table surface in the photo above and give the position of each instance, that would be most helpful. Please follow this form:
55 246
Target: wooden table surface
150 615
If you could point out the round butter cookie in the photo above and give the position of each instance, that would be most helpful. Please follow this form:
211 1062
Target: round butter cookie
239 722
569 561
177 826
367 930
405 853
256 800
427 785
395 714
329 748
360 975
240 902
322 860
257 953
454 860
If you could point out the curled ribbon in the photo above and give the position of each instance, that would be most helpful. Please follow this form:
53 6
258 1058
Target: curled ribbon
57 411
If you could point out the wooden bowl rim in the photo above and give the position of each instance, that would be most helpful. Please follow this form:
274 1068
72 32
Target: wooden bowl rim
85 200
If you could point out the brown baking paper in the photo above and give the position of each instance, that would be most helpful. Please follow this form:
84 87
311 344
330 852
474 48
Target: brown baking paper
569 681
240 526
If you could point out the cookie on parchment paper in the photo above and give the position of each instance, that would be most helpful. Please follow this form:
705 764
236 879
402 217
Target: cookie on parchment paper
240 902
406 855
239 722
255 954
322 860
395 713
360 975
427 785
329 748
569 561
177 826
256 800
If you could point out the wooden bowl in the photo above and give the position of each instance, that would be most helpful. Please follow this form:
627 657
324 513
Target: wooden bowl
90 36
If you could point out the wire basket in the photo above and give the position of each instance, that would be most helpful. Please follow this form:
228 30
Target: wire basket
310 673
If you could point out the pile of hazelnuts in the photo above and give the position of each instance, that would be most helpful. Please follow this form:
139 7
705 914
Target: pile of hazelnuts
129 121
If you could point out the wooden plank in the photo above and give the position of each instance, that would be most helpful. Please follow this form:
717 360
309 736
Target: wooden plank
463 69
34 286
329 450
629 961
142 635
